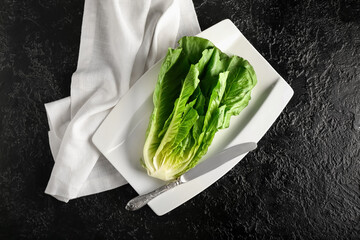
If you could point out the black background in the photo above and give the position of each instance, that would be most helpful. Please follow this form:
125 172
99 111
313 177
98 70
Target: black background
303 181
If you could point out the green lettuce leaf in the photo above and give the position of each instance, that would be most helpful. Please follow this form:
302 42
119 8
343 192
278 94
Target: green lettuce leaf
199 88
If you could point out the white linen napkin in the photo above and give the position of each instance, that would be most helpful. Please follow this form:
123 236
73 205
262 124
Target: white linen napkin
120 40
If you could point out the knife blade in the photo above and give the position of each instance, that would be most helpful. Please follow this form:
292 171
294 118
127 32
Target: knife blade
216 161
202 168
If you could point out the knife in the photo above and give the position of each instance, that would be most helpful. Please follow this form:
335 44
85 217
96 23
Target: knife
202 168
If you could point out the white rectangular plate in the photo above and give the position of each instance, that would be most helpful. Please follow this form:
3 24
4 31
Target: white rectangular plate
122 134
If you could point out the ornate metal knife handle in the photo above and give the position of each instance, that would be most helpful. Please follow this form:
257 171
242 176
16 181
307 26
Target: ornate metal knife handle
140 201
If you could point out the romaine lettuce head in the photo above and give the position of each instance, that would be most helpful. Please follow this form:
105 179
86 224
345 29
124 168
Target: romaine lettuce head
199 88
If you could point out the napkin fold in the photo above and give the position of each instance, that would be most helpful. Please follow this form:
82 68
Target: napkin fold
120 40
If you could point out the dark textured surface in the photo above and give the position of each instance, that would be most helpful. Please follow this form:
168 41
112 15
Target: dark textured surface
303 182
